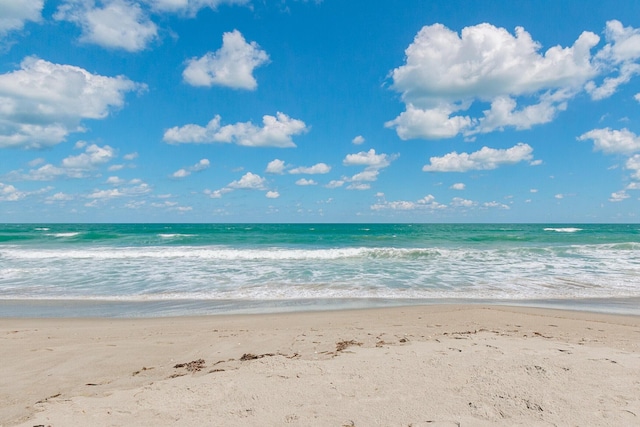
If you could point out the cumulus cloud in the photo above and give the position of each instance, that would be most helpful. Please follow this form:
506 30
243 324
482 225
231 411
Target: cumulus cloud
618 196
14 14
248 181
134 188
184 172
42 103
369 159
77 166
426 203
319 168
484 159
620 53
275 132
633 163
275 166
495 204
458 186
373 163
613 141
272 195
358 140
232 65
305 182
9 193
92 157
335 183
445 73
116 24
189 7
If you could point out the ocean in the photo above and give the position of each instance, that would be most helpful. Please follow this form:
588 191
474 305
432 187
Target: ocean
130 270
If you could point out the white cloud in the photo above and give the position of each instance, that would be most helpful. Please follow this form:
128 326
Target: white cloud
14 14
59 197
335 183
368 158
71 167
305 182
249 181
458 202
559 196
633 186
136 188
92 157
200 166
428 202
130 156
358 140
275 132
620 53
433 123
114 180
189 7
633 163
41 103
495 205
618 196
275 166
181 173
613 141
272 195
9 193
446 72
637 97
36 162
319 168
232 65
118 24
484 159
358 186
458 186
373 162
366 175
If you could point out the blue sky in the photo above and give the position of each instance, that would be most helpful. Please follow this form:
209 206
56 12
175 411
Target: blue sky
319 111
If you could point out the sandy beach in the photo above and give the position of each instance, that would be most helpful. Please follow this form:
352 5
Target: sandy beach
437 365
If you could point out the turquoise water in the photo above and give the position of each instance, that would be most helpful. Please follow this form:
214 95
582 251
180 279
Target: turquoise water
115 269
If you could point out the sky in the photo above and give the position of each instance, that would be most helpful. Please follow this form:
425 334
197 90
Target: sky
319 111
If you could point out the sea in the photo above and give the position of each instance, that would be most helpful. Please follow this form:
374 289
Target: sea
147 270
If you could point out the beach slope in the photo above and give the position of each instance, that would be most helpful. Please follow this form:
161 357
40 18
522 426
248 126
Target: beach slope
440 365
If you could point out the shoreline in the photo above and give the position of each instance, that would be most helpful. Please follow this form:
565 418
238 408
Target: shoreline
419 365
127 309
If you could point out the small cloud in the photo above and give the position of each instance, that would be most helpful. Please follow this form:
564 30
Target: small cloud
358 140
319 168
276 131
130 156
358 186
484 159
200 166
618 196
559 196
275 166
458 186
232 65
272 194
305 182
335 183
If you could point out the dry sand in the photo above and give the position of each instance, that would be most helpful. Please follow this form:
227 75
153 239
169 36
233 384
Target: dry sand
412 366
